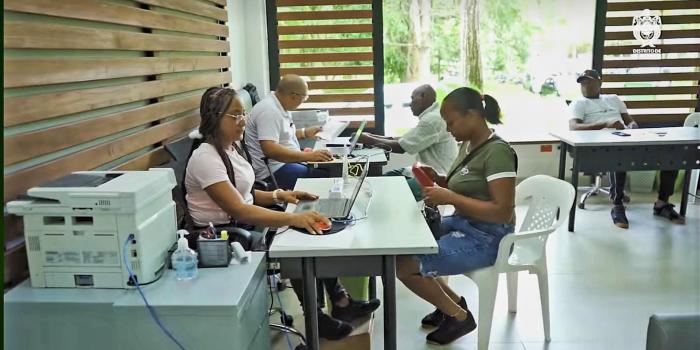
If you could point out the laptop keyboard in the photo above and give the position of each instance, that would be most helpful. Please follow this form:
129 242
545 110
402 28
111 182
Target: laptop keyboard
330 206
336 150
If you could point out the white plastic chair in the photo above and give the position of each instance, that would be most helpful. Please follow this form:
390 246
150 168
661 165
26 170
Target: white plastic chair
548 202
692 120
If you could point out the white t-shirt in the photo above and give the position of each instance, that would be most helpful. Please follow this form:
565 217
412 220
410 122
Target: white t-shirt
206 168
594 110
269 122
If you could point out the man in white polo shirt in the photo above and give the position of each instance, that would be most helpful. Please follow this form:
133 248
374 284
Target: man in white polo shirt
594 112
429 140
270 133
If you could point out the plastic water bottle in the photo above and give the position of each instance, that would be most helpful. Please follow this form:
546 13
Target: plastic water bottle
346 170
184 259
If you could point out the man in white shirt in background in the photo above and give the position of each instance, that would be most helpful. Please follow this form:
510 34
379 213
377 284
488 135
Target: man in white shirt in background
595 112
270 133
429 141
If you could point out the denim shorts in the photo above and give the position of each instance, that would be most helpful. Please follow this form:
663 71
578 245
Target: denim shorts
464 245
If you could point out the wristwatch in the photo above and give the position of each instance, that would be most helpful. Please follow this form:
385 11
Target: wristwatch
274 197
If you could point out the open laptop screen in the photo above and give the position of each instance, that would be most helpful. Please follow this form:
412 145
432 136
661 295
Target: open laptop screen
356 137
356 191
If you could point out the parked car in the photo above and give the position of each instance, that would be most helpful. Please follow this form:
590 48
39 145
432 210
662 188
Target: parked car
549 87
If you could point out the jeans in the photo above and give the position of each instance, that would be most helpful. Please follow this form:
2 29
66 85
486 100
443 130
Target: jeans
288 174
667 181
335 290
464 245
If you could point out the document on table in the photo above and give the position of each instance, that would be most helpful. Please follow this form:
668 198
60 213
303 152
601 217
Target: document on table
294 238
331 130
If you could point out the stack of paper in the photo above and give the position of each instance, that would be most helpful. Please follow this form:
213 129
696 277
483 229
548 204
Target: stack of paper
331 130
309 118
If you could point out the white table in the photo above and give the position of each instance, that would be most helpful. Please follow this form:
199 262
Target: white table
645 149
393 226
224 308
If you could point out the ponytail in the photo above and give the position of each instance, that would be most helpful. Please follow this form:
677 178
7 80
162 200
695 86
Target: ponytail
464 99
492 111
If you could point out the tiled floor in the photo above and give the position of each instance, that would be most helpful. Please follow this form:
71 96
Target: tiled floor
604 283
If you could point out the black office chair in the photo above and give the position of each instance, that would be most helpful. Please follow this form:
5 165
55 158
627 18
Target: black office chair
180 152
250 98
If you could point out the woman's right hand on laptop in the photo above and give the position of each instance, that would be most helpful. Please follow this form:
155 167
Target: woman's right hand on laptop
307 220
321 155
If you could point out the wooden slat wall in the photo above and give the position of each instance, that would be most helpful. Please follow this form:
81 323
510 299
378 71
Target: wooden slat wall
658 89
95 84
340 70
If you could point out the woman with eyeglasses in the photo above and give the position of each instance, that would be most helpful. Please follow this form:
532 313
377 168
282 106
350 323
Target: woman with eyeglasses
219 180
219 189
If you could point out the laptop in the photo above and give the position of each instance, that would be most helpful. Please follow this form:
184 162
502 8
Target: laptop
340 151
335 208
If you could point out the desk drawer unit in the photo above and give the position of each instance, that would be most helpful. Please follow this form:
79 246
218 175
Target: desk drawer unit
231 312
631 158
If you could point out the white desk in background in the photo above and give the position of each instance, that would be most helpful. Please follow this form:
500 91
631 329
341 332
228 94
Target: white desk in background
645 149
223 308
393 226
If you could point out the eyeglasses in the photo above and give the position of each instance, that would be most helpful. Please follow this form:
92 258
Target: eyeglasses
304 98
238 117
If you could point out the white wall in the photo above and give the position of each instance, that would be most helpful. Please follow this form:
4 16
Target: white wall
248 38
532 160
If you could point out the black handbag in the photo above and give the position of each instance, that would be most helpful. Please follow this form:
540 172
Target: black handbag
433 219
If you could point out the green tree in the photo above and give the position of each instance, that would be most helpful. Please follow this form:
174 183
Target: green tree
445 31
499 34
420 41
505 36
470 45
396 33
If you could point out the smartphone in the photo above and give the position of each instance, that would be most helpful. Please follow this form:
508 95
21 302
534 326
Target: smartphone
422 178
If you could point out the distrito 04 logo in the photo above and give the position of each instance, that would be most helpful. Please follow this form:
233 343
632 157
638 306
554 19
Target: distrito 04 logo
647 30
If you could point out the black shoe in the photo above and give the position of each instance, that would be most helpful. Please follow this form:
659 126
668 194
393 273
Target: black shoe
435 318
355 310
667 211
618 216
452 329
332 329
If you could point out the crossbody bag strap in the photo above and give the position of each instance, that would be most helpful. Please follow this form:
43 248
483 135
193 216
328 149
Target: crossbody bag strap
247 156
469 157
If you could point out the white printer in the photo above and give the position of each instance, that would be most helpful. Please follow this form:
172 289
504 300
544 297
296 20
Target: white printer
76 227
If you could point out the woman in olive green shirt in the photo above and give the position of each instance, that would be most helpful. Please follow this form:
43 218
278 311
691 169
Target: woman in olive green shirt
481 186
